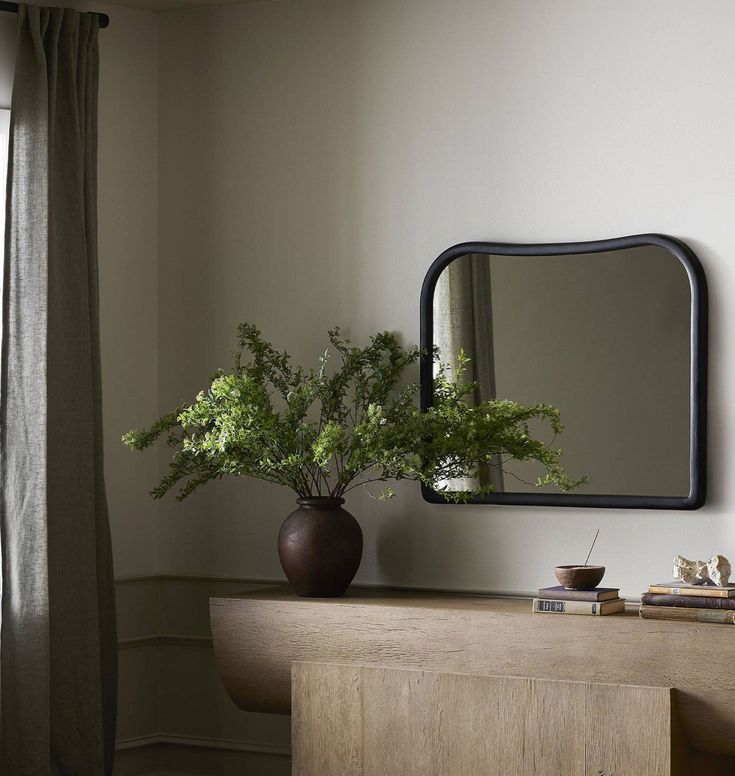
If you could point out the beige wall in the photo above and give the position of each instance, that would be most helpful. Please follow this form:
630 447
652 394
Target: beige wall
128 229
317 155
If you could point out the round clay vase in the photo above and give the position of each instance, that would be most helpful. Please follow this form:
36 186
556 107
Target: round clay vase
320 547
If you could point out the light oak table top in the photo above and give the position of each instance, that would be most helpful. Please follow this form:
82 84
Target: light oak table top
257 635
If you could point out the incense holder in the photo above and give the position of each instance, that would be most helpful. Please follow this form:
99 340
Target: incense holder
579 577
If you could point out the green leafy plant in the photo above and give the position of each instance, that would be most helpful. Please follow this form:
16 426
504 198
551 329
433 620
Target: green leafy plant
326 430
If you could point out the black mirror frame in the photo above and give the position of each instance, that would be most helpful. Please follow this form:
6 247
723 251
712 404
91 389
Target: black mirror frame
698 368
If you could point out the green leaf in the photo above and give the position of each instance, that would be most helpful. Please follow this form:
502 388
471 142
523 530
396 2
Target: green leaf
351 420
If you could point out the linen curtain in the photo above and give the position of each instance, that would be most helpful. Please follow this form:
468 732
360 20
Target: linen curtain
58 658
463 320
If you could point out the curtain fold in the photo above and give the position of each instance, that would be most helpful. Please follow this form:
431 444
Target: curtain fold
463 320
58 651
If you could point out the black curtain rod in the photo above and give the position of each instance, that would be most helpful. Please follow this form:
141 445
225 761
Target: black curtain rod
13 8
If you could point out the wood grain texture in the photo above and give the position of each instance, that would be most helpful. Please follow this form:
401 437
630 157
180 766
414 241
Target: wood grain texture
510 725
258 635
628 729
368 721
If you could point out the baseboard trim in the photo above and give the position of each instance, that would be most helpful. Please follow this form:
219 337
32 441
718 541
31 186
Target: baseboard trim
137 742
165 639
230 745
182 773
168 773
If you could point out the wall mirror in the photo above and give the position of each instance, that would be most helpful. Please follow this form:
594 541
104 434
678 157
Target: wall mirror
612 332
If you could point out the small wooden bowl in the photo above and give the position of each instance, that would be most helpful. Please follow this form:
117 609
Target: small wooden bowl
580 577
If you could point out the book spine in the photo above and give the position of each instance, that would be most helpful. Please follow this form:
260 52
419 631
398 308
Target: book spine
701 602
707 592
574 595
551 606
687 615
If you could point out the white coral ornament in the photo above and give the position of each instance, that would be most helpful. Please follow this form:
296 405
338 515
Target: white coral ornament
719 569
715 571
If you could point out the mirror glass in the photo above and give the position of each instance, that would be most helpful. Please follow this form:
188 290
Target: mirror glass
603 336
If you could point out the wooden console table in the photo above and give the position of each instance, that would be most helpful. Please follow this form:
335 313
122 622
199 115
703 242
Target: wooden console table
671 676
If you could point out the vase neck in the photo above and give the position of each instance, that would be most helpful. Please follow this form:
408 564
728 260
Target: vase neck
322 502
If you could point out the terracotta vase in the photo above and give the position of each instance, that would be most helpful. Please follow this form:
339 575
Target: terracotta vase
320 547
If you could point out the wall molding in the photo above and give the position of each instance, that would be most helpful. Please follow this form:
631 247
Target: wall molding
230 745
172 576
212 579
174 715
166 639
184 577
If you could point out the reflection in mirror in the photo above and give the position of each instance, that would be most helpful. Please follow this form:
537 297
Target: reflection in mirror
604 337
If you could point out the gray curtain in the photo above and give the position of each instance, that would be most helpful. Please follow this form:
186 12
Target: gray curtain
58 663
463 319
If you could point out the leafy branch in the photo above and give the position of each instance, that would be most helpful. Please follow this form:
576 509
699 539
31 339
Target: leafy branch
323 433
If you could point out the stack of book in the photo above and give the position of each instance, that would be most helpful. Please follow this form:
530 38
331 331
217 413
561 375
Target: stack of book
691 603
559 600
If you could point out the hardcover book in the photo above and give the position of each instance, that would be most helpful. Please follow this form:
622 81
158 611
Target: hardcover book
691 601
554 606
561 593
682 588
687 615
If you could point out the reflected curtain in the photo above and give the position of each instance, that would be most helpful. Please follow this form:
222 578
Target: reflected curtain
463 320
58 656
